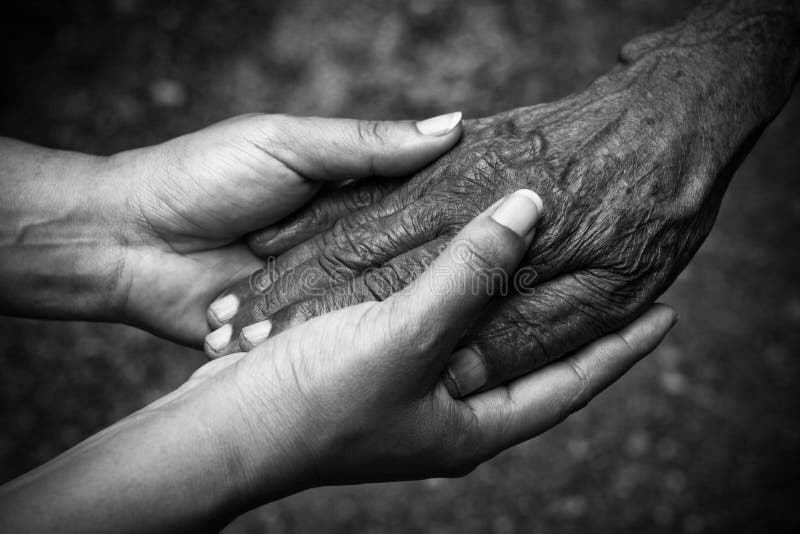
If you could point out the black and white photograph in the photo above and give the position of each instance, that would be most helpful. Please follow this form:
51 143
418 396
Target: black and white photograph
421 266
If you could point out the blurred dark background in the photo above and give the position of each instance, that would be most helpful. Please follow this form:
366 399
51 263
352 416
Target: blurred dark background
701 437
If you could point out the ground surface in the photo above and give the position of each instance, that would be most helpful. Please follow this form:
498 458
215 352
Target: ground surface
703 436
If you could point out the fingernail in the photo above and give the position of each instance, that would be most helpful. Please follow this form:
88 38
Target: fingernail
467 371
256 333
519 211
219 338
439 126
225 308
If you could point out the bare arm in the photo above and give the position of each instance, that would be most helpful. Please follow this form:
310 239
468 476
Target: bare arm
59 247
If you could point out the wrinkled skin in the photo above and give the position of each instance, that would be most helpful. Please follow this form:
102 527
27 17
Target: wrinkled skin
631 170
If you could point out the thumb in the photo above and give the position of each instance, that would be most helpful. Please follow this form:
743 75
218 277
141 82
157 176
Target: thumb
336 149
444 299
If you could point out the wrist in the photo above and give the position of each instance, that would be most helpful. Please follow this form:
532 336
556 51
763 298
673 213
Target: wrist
60 234
205 426
743 54
272 436
708 86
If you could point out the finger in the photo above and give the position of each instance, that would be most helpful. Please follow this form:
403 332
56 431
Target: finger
252 325
345 256
446 297
374 285
236 297
227 304
319 215
336 149
339 232
528 406
250 316
538 325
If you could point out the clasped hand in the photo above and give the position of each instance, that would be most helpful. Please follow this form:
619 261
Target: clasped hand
360 393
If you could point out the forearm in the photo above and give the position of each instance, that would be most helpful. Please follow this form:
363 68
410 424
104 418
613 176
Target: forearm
175 466
59 251
148 473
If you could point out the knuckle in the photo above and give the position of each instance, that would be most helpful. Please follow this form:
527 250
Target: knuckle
339 228
295 314
371 132
307 309
269 124
316 215
335 263
360 197
383 282
270 130
580 393
627 345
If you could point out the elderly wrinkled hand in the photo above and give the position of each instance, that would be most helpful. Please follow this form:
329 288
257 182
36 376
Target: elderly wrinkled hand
360 392
633 170
357 395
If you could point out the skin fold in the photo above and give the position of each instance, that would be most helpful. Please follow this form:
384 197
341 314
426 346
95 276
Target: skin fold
632 171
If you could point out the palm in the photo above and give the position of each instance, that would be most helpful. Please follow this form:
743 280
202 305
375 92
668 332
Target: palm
177 287
195 215
211 188
225 184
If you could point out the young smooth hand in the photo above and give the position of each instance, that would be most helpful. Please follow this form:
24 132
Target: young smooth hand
360 395
357 395
151 236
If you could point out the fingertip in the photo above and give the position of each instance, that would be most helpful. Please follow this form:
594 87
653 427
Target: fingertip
646 332
441 125
222 310
662 316
465 373
217 341
254 334
261 242
519 211
535 198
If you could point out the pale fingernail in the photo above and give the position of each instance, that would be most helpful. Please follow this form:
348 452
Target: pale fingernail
256 333
225 308
219 338
439 126
467 371
519 211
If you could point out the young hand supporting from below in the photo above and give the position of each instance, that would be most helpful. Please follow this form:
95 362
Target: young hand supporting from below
150 236
352 396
